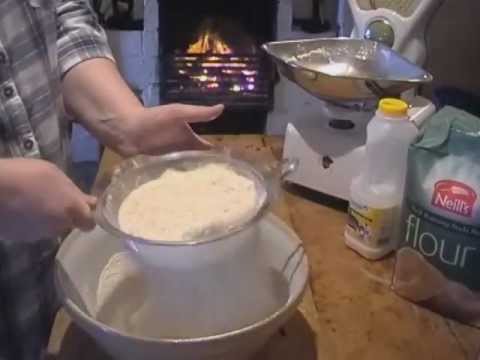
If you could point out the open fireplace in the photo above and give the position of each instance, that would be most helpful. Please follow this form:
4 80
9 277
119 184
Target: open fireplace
211 52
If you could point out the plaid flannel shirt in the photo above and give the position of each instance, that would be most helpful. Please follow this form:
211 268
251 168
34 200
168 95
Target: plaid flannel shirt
40 40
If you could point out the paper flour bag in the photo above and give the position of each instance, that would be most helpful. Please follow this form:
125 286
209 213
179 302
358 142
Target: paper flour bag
438 261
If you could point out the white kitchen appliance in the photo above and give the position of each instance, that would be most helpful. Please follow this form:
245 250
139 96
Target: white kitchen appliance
381 58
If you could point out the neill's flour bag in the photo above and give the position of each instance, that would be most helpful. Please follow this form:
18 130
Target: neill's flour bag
438 261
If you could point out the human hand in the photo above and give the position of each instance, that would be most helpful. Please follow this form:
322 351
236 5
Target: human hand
166 128
38 200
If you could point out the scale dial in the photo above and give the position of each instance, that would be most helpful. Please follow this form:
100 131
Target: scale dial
380 31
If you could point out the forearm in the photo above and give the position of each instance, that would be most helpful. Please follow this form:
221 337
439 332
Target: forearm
98 97
37 200
6 192
94 91
5 179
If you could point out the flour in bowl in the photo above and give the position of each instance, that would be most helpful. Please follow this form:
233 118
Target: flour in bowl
184 204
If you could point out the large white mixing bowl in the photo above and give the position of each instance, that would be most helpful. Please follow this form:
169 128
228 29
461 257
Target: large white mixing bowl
83 256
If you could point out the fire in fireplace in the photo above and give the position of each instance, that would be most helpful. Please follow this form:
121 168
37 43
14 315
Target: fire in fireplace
209 43
212 55
211 70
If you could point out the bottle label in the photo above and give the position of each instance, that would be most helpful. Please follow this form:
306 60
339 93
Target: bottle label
371 226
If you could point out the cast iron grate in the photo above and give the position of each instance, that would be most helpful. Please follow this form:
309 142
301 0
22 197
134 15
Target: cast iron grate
238 81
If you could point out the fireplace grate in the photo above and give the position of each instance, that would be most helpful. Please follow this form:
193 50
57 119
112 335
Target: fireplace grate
238 81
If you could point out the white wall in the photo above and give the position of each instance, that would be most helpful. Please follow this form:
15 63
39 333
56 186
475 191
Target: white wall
138 9
303 9
291 102
138 55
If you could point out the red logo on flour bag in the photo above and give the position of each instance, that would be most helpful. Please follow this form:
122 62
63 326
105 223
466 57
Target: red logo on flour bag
455 197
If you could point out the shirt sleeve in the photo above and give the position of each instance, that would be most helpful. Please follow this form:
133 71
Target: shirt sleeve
79 35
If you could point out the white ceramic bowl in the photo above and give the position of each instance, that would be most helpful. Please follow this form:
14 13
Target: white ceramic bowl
83 257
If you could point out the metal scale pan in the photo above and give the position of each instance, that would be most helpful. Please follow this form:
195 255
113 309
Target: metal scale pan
345 69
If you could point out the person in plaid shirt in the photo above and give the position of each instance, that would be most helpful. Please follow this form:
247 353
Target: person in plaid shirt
54 61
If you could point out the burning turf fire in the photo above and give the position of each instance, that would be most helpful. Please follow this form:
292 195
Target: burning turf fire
211 64
218 65
209 43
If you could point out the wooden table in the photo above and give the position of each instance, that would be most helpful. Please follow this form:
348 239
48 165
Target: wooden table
349 312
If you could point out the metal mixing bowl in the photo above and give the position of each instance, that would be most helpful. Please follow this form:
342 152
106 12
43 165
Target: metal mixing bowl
134 172
344 69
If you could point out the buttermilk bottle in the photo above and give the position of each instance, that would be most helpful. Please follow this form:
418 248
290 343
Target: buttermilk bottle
377 192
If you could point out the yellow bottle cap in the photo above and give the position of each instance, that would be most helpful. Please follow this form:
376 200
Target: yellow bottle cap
393 107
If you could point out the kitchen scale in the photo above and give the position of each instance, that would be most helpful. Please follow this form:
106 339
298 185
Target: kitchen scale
382 58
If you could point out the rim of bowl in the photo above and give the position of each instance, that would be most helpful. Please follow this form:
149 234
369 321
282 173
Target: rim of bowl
428 77
292 302
264 201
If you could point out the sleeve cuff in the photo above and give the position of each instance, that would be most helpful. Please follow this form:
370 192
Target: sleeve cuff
81 47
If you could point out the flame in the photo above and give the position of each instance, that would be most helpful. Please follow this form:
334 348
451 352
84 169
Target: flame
209 42
211 65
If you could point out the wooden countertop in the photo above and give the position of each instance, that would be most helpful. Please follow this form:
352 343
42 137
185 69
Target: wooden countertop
349 311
